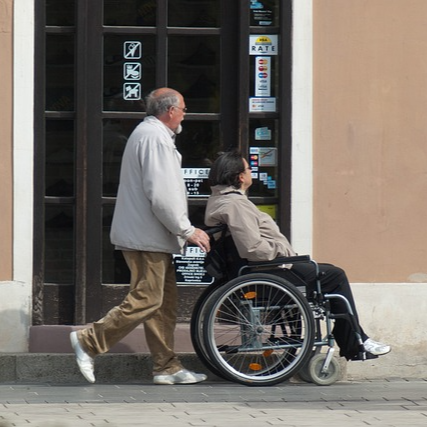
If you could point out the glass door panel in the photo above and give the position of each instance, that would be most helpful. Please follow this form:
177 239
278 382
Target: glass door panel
134 13
194 71
194 13
129 71
60 154
114 268
60 12
59 72
59 244
115 135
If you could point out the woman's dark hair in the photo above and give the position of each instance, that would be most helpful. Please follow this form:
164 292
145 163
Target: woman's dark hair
226 169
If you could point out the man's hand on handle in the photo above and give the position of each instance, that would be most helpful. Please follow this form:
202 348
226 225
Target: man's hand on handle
201 239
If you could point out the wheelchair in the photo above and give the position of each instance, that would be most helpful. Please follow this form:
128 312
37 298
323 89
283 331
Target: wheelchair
255 328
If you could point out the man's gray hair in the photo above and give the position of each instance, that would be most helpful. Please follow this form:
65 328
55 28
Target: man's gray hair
159 101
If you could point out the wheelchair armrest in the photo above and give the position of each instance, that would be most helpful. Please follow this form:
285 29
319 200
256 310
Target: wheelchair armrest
275 262
279 261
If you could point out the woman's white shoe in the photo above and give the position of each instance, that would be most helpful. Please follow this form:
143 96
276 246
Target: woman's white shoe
376 348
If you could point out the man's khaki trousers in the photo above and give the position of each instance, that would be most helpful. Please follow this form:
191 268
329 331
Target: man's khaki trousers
152 299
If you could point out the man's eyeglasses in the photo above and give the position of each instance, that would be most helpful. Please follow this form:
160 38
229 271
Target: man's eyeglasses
184 109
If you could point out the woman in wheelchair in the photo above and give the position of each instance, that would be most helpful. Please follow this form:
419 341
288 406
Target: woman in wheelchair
258 238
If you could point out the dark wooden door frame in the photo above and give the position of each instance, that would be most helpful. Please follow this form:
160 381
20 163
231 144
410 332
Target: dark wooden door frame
89 114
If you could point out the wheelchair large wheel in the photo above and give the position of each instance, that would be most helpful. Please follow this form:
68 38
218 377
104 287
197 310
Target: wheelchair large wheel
196 327
259 330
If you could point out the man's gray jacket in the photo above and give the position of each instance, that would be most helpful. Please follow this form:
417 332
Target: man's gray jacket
151 212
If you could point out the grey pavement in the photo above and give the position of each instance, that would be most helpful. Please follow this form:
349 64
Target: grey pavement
390 402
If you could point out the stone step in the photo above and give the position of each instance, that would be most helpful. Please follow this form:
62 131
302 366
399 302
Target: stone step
56 339
61 368
51 359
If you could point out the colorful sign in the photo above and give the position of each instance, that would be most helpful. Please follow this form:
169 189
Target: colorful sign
262 104
262 76
263 45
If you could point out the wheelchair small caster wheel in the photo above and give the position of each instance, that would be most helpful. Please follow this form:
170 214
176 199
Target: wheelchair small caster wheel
304 372
315 366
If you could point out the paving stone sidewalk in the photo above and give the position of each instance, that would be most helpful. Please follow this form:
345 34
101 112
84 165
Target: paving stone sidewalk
388 403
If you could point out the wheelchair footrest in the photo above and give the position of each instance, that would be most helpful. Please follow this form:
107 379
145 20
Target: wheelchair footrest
364 356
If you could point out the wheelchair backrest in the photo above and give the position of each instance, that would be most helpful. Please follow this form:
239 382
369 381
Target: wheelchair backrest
223 260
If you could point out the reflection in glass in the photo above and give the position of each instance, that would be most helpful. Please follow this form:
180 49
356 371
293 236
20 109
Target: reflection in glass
59 72
129 71
135 13
263 157
194 71
59 178
59 244
115 135
193 13
60 12
114 267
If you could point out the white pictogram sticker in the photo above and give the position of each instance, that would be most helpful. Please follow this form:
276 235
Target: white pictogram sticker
132 71
132 91
132 50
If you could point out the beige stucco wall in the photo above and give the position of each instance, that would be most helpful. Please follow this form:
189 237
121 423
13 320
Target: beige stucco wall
6 139
370 138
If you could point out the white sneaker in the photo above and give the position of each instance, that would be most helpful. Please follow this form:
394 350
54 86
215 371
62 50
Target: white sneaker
181 377
84 361
376 348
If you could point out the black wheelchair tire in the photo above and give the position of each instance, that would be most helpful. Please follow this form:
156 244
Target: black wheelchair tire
196 327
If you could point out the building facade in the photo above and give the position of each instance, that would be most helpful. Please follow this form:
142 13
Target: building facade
326 99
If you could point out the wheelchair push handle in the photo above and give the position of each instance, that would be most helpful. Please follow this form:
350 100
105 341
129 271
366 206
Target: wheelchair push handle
210 231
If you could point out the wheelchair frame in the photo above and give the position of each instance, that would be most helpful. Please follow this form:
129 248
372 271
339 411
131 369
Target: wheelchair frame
261 329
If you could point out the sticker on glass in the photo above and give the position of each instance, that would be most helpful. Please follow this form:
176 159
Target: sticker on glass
132 91
132 50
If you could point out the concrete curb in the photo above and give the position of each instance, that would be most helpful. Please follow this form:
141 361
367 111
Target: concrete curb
62 369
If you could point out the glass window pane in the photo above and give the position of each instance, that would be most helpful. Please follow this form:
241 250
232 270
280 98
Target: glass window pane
264 13
59 244
197 215
115 135
59 179
194 71
129 71
263 157
60 12
194 13
114 267
199 144
59 72
134 13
